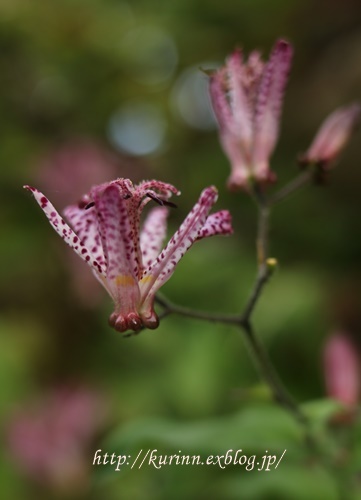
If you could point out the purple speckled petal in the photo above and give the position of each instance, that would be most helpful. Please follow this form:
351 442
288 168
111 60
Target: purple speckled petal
217 223
240 105
138 199
85 225
153 234
219 100
236 149
269 105
115 232
121 256
163 188
163 267
68 235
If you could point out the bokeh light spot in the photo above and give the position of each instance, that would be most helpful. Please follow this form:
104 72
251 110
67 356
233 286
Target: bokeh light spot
190 99
137 128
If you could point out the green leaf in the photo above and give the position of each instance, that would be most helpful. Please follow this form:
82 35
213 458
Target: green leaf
322 410
309 481
254 428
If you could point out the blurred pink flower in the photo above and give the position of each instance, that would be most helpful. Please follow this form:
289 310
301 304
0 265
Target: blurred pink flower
342 369
128 262
50 442
247 99
78 164
332 137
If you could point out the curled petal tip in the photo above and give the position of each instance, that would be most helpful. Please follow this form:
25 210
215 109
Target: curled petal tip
211 190
218 223
284 47
227 223
283 44
209 195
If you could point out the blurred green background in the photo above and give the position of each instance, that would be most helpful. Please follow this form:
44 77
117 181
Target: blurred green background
120 82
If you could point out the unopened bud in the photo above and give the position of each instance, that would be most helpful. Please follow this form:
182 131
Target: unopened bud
332 137
271 264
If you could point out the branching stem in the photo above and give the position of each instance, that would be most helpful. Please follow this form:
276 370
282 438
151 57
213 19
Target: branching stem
266 267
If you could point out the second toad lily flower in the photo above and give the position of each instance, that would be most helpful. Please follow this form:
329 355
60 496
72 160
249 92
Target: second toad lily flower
128 261
247 99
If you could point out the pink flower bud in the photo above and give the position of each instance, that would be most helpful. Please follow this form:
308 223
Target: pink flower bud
332 136
342 370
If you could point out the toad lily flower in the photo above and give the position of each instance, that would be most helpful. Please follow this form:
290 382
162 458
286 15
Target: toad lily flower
247 100
332 137
128 262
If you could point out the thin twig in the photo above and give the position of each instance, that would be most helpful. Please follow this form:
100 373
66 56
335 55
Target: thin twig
263 226
266 267
235 319
264 274
296 184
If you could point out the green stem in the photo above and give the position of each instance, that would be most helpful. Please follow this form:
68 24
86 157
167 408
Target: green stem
243 320
296 184
170 307
262 235
264 274
268 373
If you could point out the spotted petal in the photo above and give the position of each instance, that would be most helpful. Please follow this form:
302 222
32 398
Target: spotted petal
269 105
66 233
153 234
85 225
162 269
115 232
117 241
219 223
138 198
239 101
219 100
